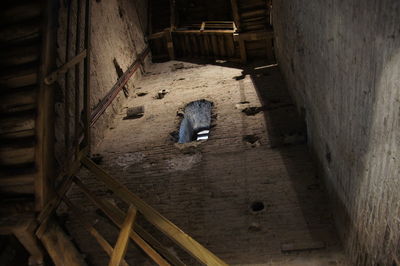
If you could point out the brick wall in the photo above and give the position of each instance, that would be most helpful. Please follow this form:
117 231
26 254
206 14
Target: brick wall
341 60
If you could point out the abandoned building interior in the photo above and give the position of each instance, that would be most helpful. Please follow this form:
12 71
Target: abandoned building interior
199 132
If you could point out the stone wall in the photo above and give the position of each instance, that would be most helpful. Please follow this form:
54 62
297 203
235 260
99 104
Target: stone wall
117 38
341 60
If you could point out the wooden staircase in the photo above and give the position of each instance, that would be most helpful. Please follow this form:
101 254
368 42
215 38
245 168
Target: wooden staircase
25 103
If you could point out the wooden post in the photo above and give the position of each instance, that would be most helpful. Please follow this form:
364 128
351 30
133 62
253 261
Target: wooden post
44 156
123 238
170 44
235 13
86 86
242 48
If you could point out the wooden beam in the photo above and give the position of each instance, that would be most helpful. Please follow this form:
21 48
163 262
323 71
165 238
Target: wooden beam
133 235
235 13
118 215
52 77
99 238
60 248
86 87
123 238
170 44
164 225
45 117
28 239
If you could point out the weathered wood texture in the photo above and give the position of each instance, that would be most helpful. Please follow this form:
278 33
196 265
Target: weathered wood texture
60 248
21 40
343 70
164 225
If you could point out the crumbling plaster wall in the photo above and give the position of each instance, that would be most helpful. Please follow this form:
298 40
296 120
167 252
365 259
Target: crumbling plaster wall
341 60
117 35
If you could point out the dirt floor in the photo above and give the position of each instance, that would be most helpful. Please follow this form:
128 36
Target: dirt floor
250 193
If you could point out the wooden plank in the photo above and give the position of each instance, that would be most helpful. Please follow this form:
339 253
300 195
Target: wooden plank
78 214
45 117
14 155
189 51
133 235
17 125
235 13
19 55
19 76
242 48
27 238
15 180
164 225
29 29
123 238
60 248
170 44
230 46
302 246
18 100
253 13
214 45
52 77
221 43
118 216
269 50
254 36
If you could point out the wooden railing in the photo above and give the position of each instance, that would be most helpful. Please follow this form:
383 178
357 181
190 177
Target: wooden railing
126 222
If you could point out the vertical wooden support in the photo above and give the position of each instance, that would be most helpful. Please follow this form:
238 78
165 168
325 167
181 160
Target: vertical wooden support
242 48
86 86
67 138
235 13
270 52
214 45
77 95
123 238
188 45
170 44
173 14
44 156
221 44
